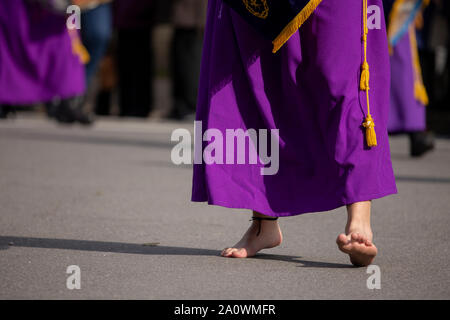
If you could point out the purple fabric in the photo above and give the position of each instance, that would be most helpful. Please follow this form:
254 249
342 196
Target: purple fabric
406 113
36 59
309 90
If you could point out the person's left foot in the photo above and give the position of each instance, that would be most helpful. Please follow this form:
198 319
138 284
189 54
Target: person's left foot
262 234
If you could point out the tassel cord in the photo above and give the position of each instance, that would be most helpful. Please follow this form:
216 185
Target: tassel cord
368 124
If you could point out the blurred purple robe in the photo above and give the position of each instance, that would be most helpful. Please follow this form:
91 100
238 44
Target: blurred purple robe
407 114
36 59
309 90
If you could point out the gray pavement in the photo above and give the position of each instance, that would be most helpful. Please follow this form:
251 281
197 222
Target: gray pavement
109 200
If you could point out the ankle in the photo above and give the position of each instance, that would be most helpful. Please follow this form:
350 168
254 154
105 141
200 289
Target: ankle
358 222
260 215
358 216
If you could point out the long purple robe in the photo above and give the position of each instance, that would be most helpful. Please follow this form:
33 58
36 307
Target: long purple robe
406 113
309 90
36 59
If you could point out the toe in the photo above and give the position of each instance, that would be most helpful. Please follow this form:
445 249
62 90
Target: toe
239 253
364 238
355 236
343 243
360 238
227 252
342 240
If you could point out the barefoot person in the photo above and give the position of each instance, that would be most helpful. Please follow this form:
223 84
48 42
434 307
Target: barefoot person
315 91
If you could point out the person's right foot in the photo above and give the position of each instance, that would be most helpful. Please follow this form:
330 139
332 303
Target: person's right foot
270 236
357 239
358 246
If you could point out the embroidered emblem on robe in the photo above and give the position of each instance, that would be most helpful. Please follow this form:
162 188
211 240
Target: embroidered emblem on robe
276 20
258 8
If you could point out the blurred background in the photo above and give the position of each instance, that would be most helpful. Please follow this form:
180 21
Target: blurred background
140 58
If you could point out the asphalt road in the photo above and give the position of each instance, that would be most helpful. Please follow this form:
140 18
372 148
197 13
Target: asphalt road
109 200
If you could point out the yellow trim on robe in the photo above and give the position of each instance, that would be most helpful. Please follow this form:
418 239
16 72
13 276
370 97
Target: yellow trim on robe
420 93
78 48
295 24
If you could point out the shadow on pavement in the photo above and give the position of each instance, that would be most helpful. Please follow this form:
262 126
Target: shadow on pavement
422 179
134 248
304 263
69 137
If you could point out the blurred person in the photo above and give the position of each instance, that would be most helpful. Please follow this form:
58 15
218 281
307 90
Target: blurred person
107 82
134 21
188 19
313 93
41 61
433 50
96 30
409 96
447 70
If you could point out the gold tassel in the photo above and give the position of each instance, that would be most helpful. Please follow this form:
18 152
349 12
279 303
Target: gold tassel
365 76
295 24
371 137
368 124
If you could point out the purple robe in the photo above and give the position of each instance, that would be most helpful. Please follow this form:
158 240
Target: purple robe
309 90
406 113
36 59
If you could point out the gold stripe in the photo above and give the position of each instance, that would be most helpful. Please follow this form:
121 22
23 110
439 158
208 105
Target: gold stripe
420 93
295 24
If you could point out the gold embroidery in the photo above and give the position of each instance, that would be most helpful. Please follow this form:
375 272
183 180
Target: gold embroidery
258 8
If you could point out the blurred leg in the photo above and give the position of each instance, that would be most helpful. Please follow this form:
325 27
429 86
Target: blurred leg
96 32
185 67
135 68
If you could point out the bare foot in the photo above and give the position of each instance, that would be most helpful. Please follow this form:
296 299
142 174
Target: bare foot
358 246
357 239
270 236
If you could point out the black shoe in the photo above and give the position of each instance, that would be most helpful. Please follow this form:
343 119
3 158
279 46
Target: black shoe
174 116
178 115
63 113
6 111
51 109
420 143
84 118
69 111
